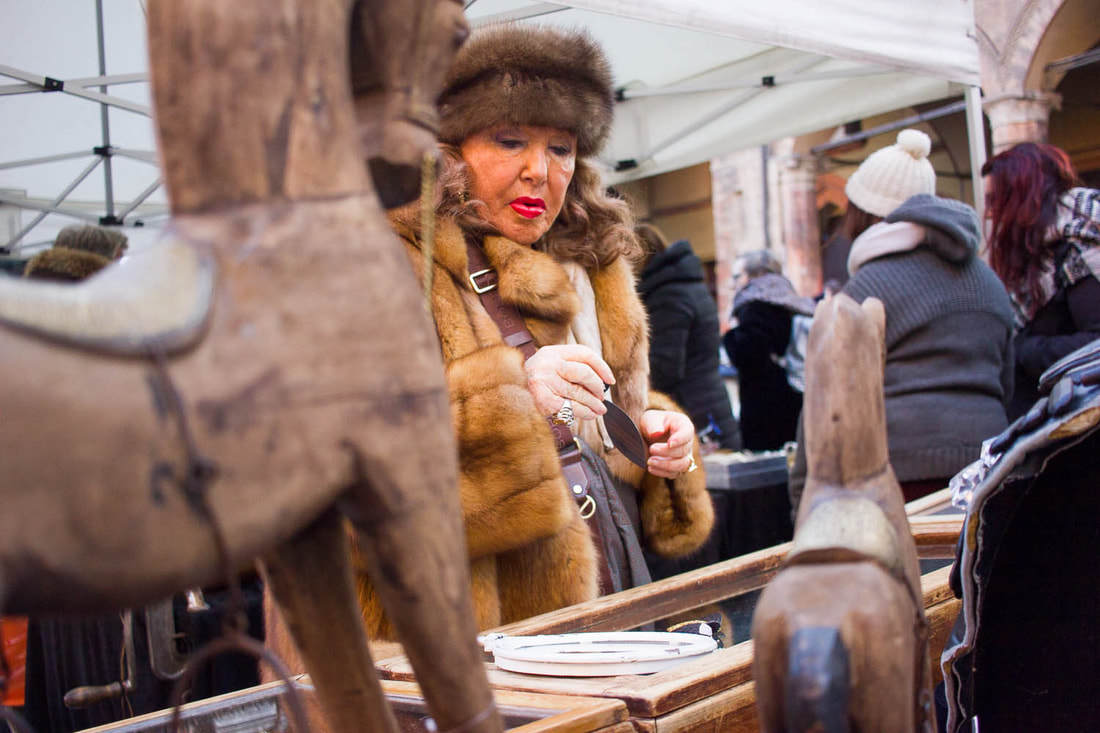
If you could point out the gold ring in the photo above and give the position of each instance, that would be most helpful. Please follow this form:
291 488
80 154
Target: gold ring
693 465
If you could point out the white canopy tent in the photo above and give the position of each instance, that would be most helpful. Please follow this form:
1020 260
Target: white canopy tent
697 78
700 78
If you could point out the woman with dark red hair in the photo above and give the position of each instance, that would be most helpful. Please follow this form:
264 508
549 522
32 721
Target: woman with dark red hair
1044 243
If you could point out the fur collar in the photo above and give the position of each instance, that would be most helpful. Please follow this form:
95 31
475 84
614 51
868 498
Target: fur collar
540 288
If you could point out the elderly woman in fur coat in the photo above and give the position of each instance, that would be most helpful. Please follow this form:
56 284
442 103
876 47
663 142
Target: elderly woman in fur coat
522 111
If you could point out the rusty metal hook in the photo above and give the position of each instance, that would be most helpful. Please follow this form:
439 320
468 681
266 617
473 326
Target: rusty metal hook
237 641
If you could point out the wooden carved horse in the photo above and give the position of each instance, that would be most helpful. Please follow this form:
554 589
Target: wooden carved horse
840 639
266 368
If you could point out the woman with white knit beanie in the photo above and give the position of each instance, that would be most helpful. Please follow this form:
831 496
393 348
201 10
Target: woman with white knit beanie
948 317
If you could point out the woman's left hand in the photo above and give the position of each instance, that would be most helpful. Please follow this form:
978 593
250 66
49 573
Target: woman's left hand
670 436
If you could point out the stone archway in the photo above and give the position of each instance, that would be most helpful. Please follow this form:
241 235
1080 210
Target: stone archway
1017 39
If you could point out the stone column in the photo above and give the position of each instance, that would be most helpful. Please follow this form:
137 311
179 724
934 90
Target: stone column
798 211
1019 118
737 185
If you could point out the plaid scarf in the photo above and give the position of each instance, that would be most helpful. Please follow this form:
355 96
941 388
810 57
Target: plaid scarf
1077 223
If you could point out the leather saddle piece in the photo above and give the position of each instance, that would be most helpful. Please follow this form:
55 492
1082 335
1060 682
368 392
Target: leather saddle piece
1084 359
845 528
1022 653
159 299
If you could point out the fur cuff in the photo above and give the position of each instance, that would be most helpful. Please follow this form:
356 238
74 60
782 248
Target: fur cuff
677 514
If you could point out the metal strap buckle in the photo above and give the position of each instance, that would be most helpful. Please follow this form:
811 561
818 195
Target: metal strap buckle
588 507
479 289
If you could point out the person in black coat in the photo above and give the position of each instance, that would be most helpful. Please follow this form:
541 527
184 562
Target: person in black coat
684 333
1044 244
763 307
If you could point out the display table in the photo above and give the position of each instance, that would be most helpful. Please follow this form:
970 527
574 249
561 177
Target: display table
715 692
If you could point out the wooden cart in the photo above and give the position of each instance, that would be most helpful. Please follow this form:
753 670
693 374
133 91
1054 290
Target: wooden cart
713 693
263 709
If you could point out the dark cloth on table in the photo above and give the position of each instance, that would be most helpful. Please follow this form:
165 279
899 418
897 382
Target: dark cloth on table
684 337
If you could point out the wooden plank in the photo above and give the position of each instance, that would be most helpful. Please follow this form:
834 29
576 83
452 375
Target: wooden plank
547 713
935 537
935 587
648 603
937 501
644 695
731 711
676 687
941 619
559 713
936 534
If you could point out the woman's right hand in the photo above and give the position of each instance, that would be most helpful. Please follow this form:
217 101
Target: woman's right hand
568 372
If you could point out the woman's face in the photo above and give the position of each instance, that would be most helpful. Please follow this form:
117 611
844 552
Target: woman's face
521 174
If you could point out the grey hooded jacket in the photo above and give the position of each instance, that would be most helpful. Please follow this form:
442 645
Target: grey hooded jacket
949 365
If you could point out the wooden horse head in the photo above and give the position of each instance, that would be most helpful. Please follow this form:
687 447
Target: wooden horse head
840 642
269 368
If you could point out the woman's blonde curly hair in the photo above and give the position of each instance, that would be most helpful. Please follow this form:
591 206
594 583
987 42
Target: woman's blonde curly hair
594 227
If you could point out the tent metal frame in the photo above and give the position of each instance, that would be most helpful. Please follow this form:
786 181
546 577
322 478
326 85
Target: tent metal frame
85 88
82 88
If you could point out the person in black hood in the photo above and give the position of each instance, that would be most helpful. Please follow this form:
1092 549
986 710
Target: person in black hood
764 307
684 332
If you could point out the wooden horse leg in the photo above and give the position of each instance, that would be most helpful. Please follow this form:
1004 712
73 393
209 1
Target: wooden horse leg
410 531
400 53
310 577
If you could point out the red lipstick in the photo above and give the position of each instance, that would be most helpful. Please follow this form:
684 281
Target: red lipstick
528 207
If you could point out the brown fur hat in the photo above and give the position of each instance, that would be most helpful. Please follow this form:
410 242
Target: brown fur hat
64 264
529 75
109 243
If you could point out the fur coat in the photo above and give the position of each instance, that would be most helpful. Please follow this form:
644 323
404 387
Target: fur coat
530 551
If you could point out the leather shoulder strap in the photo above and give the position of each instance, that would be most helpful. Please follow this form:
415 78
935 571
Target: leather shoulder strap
484 280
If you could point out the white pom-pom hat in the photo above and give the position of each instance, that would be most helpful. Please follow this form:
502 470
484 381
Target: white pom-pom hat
890 176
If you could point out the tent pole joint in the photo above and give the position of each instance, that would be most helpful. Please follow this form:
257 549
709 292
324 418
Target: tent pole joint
49 84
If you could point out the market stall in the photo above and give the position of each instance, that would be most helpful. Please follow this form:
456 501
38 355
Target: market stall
696 79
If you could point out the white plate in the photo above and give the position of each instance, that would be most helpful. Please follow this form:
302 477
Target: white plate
597 654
